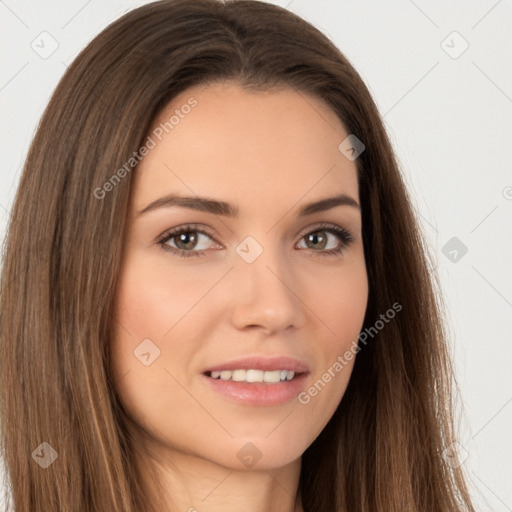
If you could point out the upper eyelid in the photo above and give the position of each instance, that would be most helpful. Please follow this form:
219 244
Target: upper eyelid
171 232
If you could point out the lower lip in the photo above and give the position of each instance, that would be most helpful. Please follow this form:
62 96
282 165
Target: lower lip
259 393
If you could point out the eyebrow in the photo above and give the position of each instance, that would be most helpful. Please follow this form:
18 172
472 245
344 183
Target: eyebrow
215 207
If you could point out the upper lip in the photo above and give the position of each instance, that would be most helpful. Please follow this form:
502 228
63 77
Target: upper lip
262 363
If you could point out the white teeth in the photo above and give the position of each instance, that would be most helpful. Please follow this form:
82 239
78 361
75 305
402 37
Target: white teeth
238 375
251 375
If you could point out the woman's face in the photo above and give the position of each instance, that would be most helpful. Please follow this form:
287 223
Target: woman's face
266 283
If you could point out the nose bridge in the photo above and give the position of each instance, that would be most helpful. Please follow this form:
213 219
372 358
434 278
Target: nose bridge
265 293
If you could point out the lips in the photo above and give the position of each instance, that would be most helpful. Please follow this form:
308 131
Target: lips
257 394
261 363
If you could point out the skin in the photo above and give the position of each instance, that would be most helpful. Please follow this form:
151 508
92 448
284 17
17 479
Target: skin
269 154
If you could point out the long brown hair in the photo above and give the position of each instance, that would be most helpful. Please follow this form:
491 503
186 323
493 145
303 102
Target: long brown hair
383 447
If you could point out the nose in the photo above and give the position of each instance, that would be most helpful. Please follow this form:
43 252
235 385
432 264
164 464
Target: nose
266 295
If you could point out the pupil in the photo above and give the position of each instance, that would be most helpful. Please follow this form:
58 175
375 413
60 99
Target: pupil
313 237
188 240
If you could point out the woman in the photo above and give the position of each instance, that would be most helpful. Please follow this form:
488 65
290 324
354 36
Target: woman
215 293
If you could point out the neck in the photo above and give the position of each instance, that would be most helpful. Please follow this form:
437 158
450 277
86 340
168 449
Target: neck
177 481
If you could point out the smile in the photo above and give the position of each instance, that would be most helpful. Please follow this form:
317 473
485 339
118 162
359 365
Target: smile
252 375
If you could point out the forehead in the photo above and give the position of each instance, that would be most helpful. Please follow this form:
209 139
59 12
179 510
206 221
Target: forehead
226 142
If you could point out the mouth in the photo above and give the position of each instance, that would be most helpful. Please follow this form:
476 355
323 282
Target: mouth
258 380
254 376
256 388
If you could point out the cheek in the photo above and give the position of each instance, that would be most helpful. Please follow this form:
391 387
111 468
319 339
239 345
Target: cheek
158 312
153 297
148 353
341 302
341 311
344 311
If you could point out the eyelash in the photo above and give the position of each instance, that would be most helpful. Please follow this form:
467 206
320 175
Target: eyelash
344 235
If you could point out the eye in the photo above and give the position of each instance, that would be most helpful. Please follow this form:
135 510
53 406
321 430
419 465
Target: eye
318 240
187 241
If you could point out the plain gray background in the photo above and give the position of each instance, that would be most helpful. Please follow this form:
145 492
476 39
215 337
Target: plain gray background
441 74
